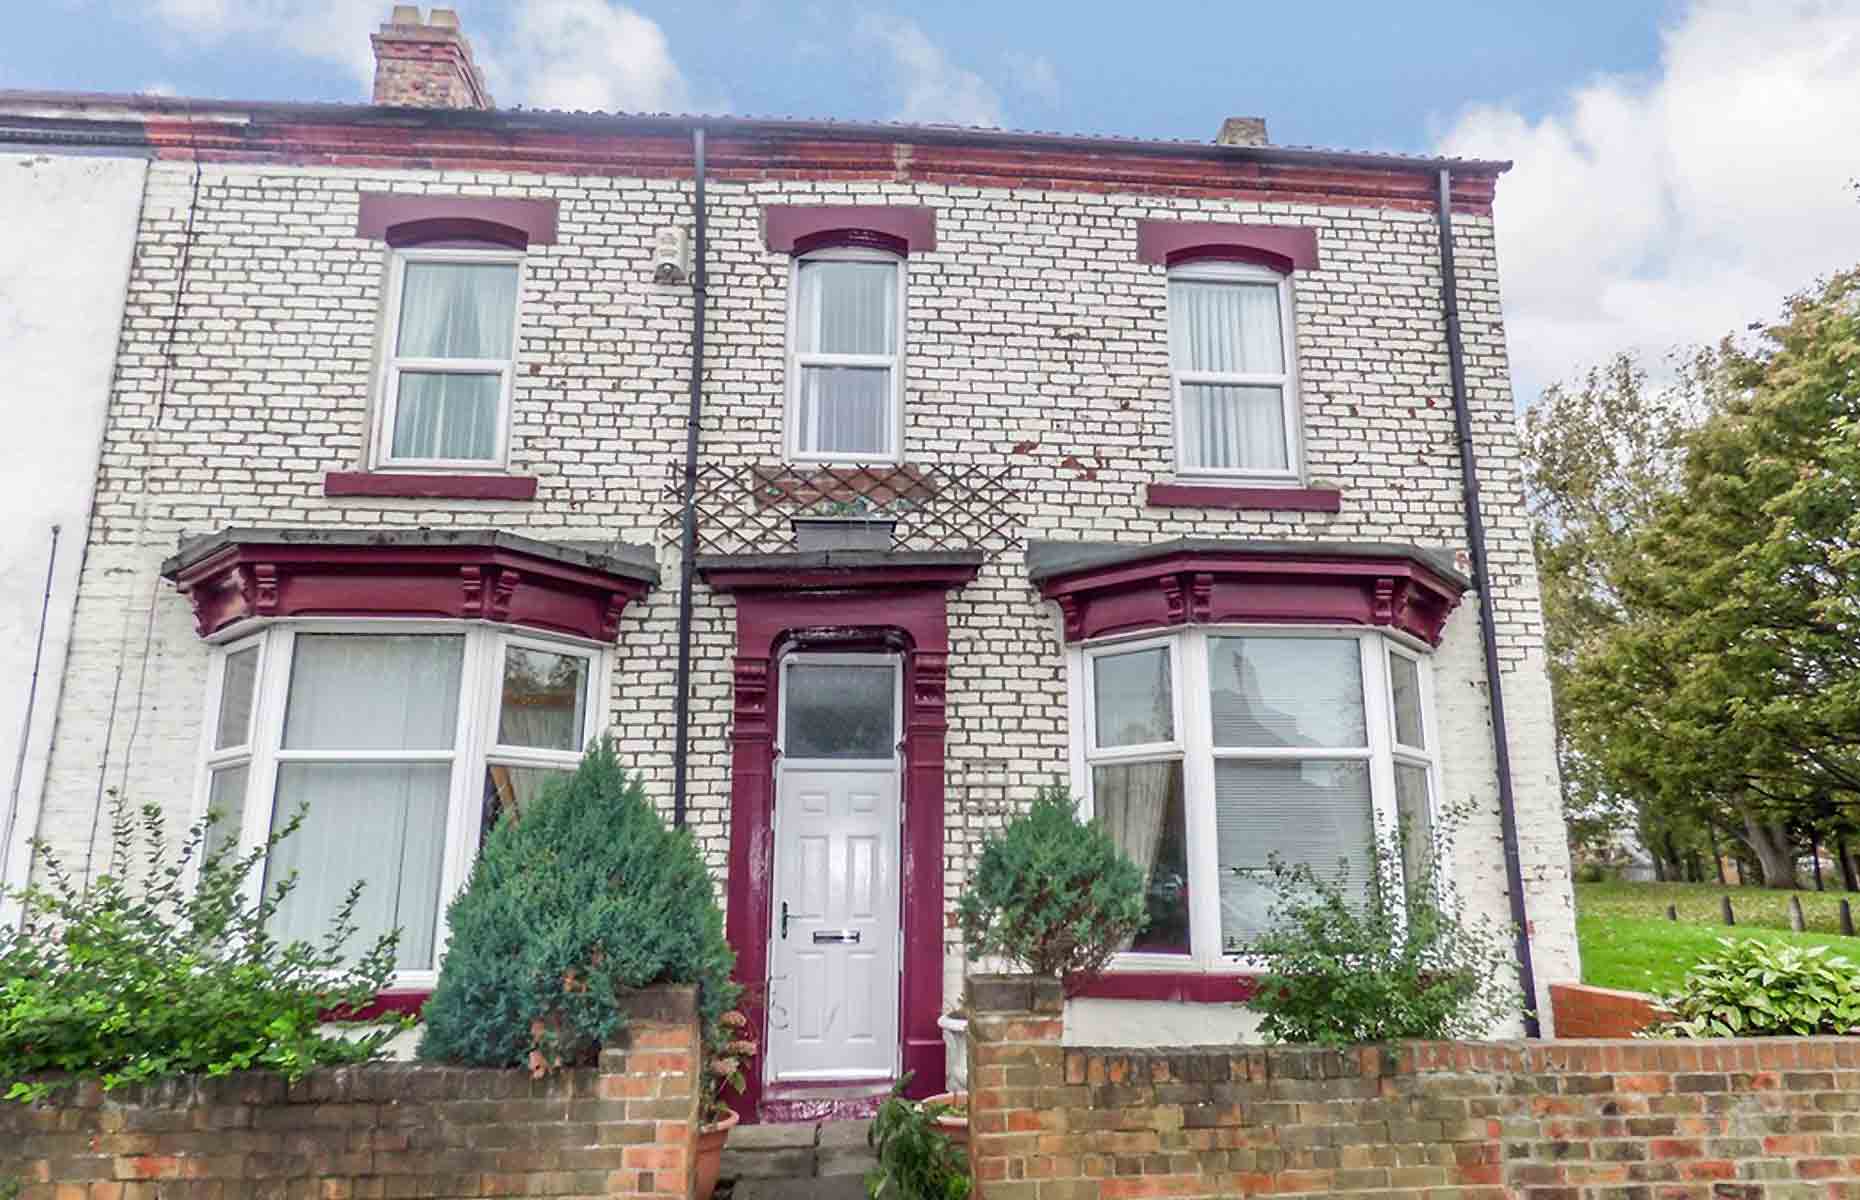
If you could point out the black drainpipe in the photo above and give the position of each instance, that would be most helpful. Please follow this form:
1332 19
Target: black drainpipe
687 545
1475 528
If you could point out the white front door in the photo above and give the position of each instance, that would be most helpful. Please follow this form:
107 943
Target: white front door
833 973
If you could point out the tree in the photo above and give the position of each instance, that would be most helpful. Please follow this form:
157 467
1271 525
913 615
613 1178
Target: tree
1712 667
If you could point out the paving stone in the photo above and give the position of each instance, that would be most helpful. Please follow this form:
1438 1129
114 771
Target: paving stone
844 1160
840 1187
795 1162
772 1136
844 1133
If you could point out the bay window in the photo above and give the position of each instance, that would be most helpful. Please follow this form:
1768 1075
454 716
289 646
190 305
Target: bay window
1231 356
845 357
1207 752
401 742
447 370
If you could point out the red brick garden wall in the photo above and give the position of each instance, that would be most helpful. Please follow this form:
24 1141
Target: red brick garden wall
626 1128
1557 1120
1581 1011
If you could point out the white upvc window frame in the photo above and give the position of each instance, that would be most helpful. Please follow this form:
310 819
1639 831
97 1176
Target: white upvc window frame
474 739
798 361
1425 757
1194 746
393 365
1221 271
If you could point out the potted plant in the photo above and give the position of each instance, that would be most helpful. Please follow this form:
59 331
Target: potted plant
728 1045
857 523
1053 894
918 1156
955 1027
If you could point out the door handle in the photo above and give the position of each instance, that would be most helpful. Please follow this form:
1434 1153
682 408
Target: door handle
784 920
840 937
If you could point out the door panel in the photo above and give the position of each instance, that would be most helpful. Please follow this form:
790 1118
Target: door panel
833 965
833 984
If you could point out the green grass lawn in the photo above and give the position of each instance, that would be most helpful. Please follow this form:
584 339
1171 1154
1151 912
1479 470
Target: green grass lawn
1627 942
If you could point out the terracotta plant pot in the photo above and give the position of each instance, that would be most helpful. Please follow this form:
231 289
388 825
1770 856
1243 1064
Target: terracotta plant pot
952 1125
710 1142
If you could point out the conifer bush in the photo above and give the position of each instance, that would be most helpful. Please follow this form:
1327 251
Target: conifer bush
1052 892
582 893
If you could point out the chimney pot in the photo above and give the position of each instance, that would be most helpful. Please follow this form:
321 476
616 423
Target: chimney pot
426 64
1242 131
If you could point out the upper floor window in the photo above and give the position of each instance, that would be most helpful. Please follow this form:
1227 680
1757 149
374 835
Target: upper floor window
447 373
1208 752
1231 356
845 357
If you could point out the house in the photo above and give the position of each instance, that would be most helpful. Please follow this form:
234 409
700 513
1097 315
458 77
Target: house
72 214
1155 450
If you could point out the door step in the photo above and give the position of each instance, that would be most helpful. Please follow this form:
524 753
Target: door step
816 1154
814 1103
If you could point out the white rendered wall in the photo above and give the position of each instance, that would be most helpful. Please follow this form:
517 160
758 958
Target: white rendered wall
64 269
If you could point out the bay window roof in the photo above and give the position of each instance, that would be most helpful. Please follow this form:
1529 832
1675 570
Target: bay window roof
1108 587
575 588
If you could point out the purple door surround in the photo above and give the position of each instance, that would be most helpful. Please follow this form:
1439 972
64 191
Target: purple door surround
781 609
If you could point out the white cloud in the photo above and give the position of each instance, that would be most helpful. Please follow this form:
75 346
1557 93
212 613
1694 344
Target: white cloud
1034 73
586 54
936 90
591 54
333 31
158 88
1669 212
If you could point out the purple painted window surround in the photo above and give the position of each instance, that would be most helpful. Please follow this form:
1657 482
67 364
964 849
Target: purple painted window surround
1275 499
1284 248
429 487
798 228
407 220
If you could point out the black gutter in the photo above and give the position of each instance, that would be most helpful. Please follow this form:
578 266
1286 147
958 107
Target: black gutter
1488 633
687 542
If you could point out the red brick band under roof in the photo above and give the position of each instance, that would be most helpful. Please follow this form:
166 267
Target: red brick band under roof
401 219
798 228
1284 248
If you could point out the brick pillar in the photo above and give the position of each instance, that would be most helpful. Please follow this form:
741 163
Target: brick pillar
652 1073
1015 1025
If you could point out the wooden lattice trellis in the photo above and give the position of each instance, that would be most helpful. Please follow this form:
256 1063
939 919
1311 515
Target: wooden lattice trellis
747 508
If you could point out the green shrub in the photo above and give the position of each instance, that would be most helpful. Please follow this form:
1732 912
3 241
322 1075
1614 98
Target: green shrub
1052 892
146 974
1749 988
583 893
916 1161
1380 959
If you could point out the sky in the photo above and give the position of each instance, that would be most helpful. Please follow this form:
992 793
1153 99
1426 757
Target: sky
1682 165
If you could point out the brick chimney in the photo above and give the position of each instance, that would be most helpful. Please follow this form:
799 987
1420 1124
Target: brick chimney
426 64
1242 131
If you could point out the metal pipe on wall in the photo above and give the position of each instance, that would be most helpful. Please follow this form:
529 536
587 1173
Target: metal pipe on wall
1481 575
687 543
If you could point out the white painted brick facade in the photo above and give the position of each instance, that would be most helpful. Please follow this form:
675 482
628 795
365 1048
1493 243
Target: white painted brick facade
1032 321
